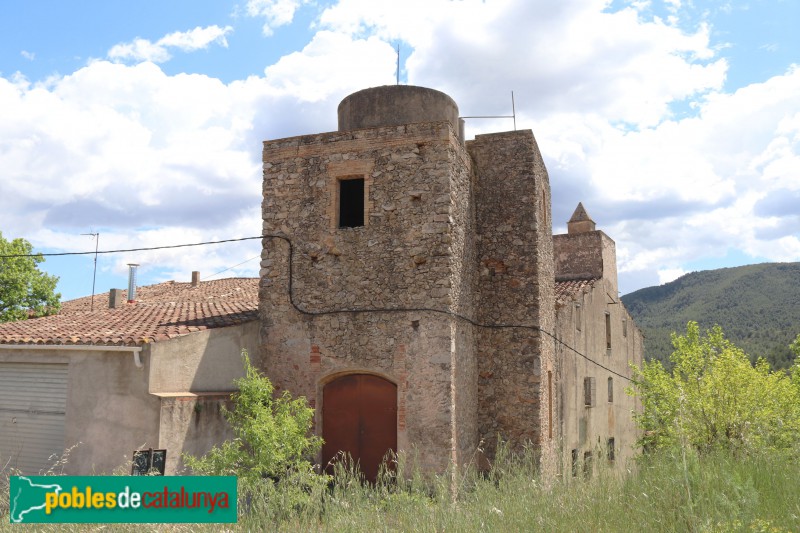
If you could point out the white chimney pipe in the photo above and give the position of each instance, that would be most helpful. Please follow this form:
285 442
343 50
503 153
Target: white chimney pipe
132 282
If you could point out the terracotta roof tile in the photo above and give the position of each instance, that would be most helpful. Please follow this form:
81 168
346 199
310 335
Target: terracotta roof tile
163 311
568 290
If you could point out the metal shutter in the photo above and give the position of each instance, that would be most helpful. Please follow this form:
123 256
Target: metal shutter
33 399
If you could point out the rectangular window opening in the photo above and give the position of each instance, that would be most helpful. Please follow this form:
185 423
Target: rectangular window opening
351 203
587 464
608 332
574 463
624 327
550 403
578 317
610 449
149 462
610 390
588 392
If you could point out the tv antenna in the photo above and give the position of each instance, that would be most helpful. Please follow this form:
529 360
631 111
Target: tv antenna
96 236
513 114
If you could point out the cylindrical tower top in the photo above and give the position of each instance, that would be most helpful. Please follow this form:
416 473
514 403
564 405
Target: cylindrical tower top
394 105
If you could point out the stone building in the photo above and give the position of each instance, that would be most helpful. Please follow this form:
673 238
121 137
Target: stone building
408 287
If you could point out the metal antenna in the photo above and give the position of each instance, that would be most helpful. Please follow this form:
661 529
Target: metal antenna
512 115
94 276
513 111
398 63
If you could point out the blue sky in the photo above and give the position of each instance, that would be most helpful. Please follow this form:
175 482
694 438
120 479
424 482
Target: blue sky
676 123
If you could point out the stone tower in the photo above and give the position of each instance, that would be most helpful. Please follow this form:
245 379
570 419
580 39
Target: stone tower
408 279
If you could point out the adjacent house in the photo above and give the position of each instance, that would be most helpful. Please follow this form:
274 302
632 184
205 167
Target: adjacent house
148 373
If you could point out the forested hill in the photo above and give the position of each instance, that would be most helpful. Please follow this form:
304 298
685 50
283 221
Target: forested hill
758 307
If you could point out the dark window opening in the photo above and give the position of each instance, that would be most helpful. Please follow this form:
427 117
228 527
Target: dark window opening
550 403
149 462
610 451
587 464
610 390
351 203
574 463
588 392
608 332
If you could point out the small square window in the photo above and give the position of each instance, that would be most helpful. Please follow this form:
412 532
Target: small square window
351 203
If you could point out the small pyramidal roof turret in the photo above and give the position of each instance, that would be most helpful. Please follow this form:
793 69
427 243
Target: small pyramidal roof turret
580 222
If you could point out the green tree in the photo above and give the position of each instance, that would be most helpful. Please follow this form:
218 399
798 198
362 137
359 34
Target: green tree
715 398
272 438
24 289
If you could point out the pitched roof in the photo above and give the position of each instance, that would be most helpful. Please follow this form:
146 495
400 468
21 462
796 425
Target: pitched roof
161 312
580 214
567 290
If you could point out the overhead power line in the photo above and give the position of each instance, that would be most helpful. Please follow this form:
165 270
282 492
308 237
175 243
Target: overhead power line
131 249
341 311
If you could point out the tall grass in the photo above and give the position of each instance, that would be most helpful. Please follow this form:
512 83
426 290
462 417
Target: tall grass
717 492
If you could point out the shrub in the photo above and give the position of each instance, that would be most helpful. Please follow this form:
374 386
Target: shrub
272 441
715 398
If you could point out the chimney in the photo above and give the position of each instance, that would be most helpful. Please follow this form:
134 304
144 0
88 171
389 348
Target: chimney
580 222
585 252
195 278
114 298
132 282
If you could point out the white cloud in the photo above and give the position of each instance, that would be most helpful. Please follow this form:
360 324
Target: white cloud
333 63
153 159
276 12
158 52
563 56
124 147
669 274
30 56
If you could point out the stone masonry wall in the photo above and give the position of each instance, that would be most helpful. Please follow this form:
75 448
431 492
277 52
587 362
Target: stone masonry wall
514 260
586 255
346 281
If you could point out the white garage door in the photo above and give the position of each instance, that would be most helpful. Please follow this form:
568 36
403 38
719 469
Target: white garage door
33 399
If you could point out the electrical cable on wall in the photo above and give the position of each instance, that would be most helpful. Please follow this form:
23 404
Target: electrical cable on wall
340 311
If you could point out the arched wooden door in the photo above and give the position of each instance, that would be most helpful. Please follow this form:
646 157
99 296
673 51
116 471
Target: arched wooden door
359 416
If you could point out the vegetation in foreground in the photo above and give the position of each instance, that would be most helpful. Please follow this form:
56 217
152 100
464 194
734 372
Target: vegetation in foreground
700 474
714 398
668 491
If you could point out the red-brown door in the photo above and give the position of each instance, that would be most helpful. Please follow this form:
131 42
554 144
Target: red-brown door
359 417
